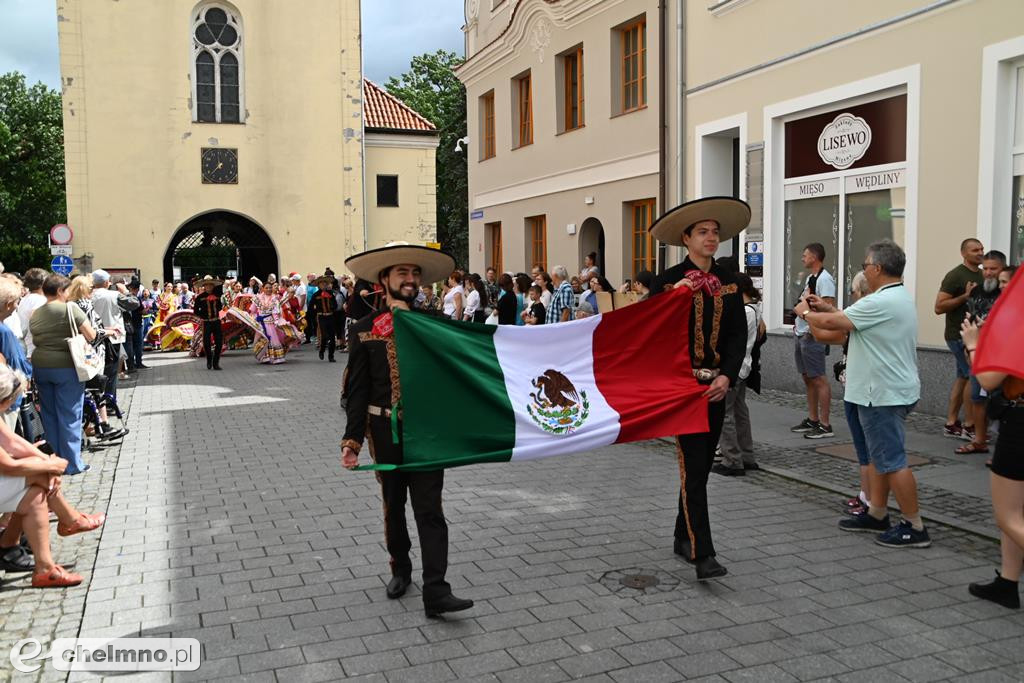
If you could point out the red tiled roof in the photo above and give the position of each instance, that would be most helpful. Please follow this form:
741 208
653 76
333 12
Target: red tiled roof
384 110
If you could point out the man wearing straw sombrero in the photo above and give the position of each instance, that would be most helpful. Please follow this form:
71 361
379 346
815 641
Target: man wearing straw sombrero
718 344
207 306
324 305
373 392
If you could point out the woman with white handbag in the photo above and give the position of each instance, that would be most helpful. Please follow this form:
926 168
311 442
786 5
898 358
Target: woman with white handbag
62 362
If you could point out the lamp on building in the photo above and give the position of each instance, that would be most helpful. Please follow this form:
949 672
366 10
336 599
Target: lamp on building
460 142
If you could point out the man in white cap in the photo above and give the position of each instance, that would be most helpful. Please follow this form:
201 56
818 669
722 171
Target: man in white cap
373 393
718 344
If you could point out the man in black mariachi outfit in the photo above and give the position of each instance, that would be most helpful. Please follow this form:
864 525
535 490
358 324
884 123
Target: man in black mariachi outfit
207 306
373 393
718 342
324 305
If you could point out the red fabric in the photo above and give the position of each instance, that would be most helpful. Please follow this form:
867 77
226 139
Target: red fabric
998 349
706 281
642 367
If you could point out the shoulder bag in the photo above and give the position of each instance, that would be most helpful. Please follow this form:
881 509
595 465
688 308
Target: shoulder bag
87 359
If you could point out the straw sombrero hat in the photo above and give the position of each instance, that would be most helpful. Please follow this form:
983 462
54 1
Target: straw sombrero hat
731 214
435 264
210 280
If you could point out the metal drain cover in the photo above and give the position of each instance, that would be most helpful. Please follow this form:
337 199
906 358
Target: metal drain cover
644 579
639 581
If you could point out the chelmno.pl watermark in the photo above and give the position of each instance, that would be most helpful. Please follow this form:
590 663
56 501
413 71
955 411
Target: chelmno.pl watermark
108 654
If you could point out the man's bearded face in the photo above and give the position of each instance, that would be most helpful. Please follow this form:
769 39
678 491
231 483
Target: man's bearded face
403 282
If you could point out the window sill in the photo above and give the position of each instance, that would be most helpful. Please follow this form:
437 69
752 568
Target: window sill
525 144
487 158
570 130
219 123
626 113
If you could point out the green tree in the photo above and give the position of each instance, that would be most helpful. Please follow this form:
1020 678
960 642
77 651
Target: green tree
31 170
432 89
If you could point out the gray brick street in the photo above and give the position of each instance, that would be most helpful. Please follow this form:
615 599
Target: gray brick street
231 521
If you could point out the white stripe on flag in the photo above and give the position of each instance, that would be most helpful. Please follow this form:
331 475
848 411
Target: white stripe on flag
526 355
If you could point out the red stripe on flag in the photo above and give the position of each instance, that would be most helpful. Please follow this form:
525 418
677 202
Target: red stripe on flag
998 344
642 368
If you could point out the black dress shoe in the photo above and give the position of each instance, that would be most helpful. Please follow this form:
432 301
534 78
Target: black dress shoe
331 360
708 568
397 586
682 547
448 603
216 367
321 355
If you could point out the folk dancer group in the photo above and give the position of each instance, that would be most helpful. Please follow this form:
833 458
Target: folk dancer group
717 333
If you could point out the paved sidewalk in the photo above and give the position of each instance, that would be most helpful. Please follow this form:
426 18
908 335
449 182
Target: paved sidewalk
953 489
231 522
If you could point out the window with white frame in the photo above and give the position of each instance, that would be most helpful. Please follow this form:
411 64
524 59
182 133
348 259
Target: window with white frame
217 65
1017 209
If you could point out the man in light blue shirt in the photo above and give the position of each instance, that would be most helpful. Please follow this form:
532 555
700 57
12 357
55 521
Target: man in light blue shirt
882 387
809 353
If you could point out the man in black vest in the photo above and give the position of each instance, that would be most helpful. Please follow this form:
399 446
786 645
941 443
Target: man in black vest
207 307
718 343
373 393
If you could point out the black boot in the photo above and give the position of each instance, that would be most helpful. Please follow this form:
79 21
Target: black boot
708 568
448 603
331 359
397 586
321 354
1001 591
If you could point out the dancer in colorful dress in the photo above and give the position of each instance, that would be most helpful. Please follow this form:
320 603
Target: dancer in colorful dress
275 335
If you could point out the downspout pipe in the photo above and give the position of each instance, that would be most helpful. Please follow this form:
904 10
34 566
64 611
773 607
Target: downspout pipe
663 130
680 109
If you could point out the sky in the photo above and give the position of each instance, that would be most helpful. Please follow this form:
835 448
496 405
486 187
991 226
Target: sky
394 31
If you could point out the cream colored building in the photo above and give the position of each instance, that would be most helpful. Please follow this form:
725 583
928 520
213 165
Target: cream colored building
563 116
856 121
218 137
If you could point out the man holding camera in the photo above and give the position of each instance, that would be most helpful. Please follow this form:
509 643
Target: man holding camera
810 353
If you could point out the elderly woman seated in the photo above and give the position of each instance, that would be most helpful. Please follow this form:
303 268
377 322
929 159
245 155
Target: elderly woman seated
30 488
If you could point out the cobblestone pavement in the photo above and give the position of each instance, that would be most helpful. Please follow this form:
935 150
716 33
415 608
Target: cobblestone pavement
230 521
952 489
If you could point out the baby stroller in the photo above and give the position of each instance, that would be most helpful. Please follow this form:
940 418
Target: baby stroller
96 397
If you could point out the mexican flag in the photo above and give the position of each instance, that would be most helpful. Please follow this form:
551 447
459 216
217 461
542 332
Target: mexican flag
476 393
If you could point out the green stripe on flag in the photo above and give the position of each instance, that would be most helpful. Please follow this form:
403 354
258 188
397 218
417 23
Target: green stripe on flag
455 409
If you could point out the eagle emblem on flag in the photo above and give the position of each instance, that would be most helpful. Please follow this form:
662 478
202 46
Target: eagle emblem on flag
557 407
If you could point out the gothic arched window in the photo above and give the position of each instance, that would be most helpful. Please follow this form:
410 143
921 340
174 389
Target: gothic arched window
217 65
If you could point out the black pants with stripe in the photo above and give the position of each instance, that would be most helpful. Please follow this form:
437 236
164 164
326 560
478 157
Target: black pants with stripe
424 489
696 454
213 341
325 334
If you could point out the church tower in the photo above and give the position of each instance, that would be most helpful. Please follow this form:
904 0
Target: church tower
218 136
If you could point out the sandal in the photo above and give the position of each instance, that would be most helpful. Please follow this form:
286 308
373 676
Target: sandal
82 524
969 448
58 577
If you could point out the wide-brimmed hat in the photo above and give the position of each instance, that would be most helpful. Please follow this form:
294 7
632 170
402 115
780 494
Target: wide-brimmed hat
731 214
325 278
210 280
435 264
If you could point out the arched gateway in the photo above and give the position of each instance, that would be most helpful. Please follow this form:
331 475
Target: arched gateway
217 242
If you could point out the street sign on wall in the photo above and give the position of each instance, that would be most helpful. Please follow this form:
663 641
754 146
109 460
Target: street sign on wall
62 265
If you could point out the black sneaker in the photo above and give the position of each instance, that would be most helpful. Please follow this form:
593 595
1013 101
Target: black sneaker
807 425
727 471
904 535
820 431
864 522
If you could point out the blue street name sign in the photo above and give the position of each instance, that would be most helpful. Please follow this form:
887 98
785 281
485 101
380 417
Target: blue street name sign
62 265
755 259
476 215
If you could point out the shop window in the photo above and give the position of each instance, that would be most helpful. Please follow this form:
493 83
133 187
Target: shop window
487 149
809 220
387 190
645 252
537 241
